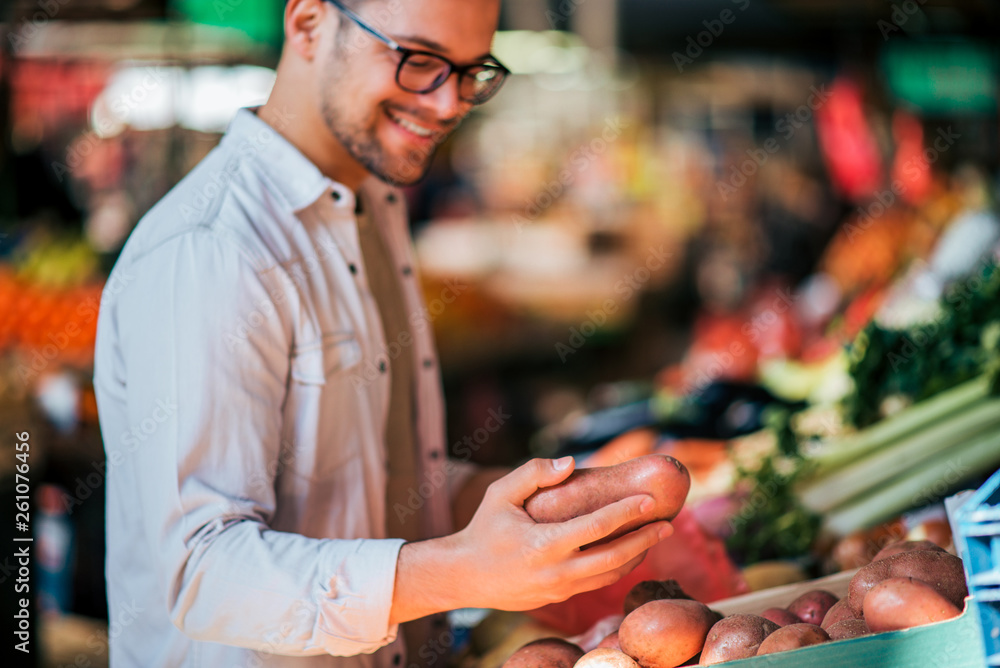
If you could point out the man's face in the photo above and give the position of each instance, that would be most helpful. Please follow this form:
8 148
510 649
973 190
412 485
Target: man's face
391 132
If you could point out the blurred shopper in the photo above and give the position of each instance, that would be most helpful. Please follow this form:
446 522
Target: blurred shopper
278 490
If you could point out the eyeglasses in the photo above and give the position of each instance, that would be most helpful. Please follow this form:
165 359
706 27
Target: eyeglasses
423 71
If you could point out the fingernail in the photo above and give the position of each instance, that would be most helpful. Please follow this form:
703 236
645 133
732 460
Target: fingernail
646 505
665 531
562 463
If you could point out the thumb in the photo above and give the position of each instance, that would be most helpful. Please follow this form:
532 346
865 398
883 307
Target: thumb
528 478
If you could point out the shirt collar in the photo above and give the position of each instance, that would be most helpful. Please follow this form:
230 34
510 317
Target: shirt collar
293 175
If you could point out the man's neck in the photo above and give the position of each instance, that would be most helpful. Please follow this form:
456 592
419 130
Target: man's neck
296 117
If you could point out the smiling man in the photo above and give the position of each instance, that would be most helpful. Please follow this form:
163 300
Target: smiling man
255 525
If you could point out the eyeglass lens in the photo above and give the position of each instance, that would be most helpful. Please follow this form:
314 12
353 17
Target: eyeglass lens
422 73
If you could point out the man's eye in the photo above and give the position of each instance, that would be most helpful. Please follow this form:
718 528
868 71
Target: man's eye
423 62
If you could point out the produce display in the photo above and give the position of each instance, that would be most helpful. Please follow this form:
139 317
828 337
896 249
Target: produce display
908 584
551 652
792 636
606 657
666 632
49 301
735 637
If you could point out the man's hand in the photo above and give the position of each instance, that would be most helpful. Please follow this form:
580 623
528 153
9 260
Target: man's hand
505 560
469 497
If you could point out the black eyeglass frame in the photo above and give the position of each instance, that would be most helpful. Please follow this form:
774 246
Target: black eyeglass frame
407 53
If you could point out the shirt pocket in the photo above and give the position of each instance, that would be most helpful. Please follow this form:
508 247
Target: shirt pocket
313 363
322 429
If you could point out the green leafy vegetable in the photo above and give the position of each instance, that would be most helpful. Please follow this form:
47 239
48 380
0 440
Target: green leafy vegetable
907 365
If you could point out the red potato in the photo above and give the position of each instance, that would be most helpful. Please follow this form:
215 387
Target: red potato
840 611
545 653
653 590
605 657
665 633
791 637
812 606
735 637
780 616
848 628
586 490
940 570
906 546
900 603
611 641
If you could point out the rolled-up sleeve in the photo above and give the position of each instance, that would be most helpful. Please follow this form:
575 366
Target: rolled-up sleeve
204 335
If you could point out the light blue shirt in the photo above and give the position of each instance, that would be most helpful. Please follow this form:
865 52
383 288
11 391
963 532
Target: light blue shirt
242 384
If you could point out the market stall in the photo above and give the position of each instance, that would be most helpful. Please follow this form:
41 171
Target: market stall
761 241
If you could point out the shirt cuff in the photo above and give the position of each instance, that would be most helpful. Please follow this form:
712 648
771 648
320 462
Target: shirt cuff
356 600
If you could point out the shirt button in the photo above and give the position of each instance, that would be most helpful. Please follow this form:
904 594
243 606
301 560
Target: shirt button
428 363
353 267
382 366
397 659
335 195
407 270
391 198
435 454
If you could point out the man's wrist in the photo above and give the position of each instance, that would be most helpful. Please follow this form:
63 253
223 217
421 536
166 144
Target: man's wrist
430 578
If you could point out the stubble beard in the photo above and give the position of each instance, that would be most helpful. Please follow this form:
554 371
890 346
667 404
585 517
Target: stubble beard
359 140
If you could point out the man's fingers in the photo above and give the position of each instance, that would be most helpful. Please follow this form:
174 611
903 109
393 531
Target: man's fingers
616 555
608 578
603 522
528 478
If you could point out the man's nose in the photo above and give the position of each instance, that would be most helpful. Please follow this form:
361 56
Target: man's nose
445 101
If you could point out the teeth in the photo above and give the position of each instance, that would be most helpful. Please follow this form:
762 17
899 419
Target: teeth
413 127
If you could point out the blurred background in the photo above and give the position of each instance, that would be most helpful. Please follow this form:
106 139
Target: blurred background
703 227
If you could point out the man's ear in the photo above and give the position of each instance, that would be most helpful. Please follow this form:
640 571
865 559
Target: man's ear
304 26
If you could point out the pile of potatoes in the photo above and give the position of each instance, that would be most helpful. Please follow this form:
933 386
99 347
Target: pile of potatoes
907 584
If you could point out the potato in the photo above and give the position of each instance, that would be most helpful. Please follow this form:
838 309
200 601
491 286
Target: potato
840 611
940 570
653 590
792 636
899 603
586 490
665 633
605 657
812 606
545 653
848 628
611 640
906 546
780 616
735 637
